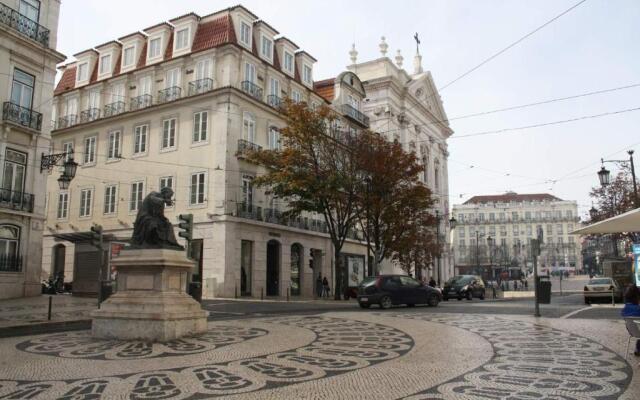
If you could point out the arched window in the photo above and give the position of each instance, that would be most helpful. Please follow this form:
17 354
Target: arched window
436 175
425 172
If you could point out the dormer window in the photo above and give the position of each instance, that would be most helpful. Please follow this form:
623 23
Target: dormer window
154 47
105 64
245 34
129 54
288 62
83 72
306 75
267 48
182 39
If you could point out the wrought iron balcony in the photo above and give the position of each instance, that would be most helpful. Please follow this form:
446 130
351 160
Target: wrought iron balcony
169 94
251 89
10 263
140 102
249 211
200 86
13 200
21 115
274 101
245 146
67 121
114 108
24 25
273 216
355 115
89 115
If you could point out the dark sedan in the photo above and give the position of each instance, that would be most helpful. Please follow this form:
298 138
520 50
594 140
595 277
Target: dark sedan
389 290
464 286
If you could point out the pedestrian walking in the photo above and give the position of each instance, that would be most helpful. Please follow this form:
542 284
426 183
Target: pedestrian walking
319 285
432 282
515 285
632 308
325 287
494 285
526 285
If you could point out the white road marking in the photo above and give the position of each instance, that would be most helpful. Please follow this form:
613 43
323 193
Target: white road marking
575 312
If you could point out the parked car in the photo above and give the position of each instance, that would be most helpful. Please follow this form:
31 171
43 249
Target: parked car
388 290
464 286
601 288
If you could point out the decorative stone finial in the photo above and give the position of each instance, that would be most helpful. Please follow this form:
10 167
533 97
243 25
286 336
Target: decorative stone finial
399 59
417 65
353 53
383 47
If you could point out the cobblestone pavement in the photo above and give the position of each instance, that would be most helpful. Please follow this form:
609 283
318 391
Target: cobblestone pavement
343 355
35 309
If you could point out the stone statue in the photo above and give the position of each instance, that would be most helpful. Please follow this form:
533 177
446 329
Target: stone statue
152 229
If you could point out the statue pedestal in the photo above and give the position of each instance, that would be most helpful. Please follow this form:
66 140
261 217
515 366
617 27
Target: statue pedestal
151 303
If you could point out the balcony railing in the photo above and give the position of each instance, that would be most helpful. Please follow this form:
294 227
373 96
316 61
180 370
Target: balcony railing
249 211
252 89
355 115
273 216
10 263
114 108
24 25
245 146
21 115
67 121
140 102
274 101
89 115
200 86
169 94
18 201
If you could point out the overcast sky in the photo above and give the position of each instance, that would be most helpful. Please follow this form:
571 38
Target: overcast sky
594 47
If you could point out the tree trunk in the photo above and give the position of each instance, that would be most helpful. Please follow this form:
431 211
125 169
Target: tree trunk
337 288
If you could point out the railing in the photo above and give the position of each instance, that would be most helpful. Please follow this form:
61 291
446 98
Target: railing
21 115
249 211
274 101
24 25
273 216
10 263
169 94
67 121
245 146
114 108
140 102
354 114
252 89
19 201
200 86
89 115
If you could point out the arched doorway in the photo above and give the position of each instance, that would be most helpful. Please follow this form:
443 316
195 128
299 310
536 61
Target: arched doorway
297 252
273 268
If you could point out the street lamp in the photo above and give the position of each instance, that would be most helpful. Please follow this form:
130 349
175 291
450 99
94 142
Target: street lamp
604 175
452 225
70 167
490 244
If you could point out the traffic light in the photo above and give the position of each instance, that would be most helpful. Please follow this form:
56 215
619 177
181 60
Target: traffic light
96 236
186 224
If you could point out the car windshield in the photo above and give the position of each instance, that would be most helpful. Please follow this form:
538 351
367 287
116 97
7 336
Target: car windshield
368 281
459 279
600 281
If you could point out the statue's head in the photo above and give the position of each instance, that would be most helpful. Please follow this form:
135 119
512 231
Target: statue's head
167 193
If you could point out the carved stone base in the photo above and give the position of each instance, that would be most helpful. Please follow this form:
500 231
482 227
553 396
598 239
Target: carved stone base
151 303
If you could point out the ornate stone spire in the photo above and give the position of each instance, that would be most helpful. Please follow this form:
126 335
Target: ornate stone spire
417 60
399 59
353 53
383 47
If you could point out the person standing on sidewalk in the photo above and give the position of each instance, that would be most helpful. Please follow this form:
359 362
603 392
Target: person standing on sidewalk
632 308
432 282
319 286
325 287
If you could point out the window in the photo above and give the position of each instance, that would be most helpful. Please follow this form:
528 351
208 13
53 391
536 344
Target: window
569 214
110 199
154 47
83 72
274 87
559 229
267 48
182 38
527 215
481 217
173 78
113 153
306 74
245 33
549 230
200 126
135 199
9 241
145 85
514 215
460 217
503 230
492 230
274 138
86 202
502 216
560 240
296 96
247 191
63 205
529 230
248 127
538 215
169 133
461 232
249 72
94 99
492 217
140 139
129 54
569 228
15 165
105 64
436 177
22 88
72 106
67 148
197 188
117 93
90 150
516 230
288 62
30 9
166 182
203 69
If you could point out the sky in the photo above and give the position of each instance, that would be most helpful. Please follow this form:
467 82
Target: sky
593 47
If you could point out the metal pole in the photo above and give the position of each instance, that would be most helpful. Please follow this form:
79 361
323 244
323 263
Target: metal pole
49 312
633 176
477 252
438 244
535 277
100 270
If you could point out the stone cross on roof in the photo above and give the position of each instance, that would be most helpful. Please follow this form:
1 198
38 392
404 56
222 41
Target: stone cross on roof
417 43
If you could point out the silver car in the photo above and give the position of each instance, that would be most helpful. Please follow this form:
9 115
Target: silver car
602 288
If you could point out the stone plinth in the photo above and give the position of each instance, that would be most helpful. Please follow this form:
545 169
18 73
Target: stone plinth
150 302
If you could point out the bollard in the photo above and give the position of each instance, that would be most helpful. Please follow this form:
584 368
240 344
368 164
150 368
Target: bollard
49 313
261 293
236 292
288 289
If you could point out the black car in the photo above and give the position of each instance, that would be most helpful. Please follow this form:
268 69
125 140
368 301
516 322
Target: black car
388 290
464 286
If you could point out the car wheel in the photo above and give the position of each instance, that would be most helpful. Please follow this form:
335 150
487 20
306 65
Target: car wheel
445 298
459 298
433 301
411 305
469 295
364 305
385 302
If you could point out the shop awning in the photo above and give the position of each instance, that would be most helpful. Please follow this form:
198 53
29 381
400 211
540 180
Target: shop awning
627 222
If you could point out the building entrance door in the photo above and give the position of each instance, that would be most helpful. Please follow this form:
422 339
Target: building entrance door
58 262
273 268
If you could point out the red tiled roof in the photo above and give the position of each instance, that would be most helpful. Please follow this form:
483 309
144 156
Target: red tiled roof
168 52
94 74
214 33
142 61
511 197
325 88
116 70
67 82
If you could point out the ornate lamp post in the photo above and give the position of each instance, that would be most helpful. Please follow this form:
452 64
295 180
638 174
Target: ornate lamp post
70 167
604 175
452 225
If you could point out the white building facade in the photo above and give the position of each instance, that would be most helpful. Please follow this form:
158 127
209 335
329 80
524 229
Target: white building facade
28 36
